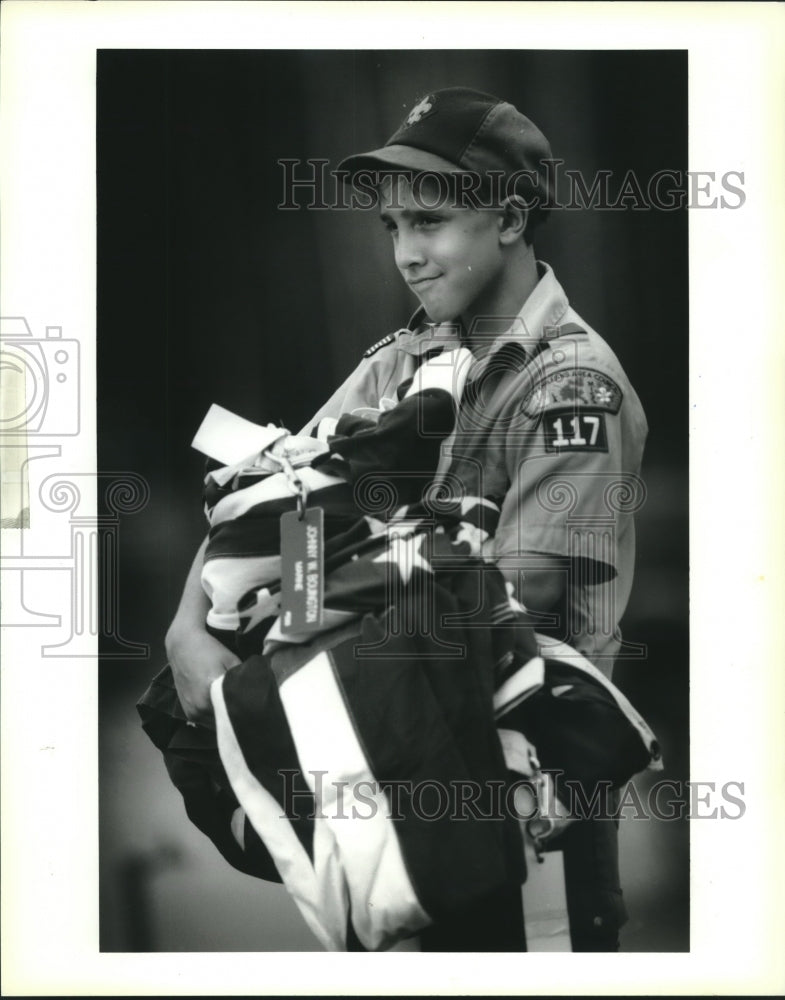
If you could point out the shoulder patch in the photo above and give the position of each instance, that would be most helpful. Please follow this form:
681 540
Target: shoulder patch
568 429
389 339
574 387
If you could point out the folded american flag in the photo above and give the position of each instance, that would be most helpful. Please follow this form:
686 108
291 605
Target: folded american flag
362 766
360 470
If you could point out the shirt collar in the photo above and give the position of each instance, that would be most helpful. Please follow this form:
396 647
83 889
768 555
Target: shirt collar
543 310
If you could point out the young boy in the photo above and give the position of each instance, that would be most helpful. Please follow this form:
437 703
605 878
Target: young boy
549 423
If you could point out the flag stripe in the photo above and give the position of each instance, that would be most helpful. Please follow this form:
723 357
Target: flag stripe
383 900
566 654
269 489
523 682
317 888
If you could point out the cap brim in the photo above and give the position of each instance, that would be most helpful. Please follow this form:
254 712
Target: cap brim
398 158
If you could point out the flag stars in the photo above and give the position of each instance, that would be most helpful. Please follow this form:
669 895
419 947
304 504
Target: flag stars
404 552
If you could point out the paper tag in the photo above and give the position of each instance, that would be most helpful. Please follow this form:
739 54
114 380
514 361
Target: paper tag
230 439
302 570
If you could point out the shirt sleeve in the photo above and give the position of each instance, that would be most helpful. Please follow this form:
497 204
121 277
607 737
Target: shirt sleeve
359 389
375 376
573 484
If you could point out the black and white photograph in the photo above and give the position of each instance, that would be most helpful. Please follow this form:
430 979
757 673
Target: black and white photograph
248 276
388 503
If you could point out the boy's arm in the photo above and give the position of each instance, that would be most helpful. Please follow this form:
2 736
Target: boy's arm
544 582
195 656
377 374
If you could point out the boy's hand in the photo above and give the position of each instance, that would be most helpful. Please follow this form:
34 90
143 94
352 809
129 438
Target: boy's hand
196 660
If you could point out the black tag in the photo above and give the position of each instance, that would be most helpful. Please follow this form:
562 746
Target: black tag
302 570
575 429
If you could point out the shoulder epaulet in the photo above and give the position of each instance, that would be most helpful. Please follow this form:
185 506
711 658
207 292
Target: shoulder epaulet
389 339
565 330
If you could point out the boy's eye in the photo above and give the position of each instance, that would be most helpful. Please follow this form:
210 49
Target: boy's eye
423 222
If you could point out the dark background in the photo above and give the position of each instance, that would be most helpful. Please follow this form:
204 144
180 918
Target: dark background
208 292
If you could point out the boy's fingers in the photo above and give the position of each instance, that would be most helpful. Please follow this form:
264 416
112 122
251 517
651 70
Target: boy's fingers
196 711
195 699
194 680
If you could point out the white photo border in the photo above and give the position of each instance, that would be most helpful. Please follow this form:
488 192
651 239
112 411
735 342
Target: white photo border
49 767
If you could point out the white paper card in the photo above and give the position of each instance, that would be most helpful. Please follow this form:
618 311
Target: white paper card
230 439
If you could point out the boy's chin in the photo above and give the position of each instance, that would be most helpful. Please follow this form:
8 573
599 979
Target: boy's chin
438 314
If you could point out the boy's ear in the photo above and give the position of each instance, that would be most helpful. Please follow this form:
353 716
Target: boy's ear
513 221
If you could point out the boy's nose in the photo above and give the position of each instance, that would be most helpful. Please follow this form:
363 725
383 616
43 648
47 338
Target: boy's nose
408 251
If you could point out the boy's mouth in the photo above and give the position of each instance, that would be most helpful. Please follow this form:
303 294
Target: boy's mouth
419 283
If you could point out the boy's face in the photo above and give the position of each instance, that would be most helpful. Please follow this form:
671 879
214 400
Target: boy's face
450 257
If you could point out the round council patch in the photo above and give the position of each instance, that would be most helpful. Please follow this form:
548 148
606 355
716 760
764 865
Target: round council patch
573 387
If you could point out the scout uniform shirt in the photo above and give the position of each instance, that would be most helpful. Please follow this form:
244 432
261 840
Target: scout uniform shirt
550 428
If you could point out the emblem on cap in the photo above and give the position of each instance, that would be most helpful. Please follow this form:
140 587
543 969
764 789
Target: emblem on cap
420 110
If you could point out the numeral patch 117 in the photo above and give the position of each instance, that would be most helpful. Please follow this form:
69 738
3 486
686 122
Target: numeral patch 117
575 430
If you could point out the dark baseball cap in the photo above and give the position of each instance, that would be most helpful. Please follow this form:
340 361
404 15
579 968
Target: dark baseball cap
458 130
